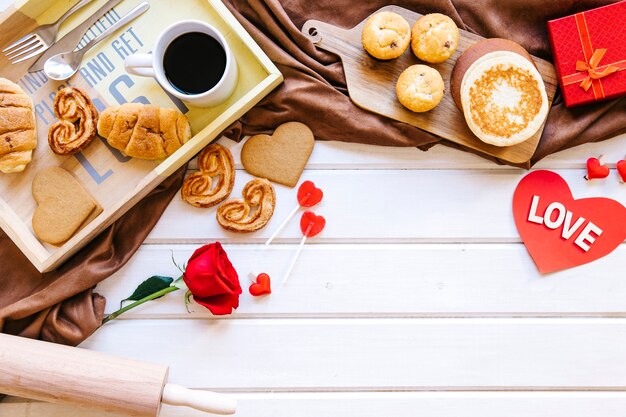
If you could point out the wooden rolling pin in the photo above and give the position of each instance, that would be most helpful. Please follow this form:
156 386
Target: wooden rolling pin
62 374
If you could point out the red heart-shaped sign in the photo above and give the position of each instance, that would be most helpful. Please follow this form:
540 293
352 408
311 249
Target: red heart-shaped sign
309 195
621 169
561 232
262 286
310 224
595 169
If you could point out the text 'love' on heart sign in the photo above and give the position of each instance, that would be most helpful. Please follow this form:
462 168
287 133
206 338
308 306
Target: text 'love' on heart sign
561 232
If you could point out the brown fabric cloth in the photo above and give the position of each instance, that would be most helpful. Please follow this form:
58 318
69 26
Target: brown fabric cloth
60 306
314 91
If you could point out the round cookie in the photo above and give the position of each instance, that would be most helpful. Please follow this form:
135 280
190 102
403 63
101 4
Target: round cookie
386 35
434 38
475 52
420 88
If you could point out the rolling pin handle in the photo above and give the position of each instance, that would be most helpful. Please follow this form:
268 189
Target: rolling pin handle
208 401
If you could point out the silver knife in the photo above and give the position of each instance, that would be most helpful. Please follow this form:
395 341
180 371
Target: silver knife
70 41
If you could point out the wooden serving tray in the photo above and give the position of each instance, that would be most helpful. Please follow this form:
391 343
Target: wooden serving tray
117 181
371 85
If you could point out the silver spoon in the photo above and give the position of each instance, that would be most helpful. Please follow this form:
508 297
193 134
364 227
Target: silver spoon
62 66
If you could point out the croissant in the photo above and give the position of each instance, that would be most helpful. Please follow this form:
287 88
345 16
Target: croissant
76 127
18 135
253 212
143 130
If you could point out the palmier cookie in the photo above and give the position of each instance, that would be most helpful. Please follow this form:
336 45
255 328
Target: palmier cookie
250 213
434 38
420 88
386 35
201 189
78 121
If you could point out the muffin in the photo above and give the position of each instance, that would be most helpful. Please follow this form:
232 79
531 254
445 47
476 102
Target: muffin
386 35
434 38
420 88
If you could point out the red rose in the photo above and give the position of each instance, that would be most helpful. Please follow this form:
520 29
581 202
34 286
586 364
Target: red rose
212 279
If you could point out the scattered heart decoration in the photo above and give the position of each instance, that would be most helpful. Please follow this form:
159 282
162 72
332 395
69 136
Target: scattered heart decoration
560 231
309 195
595 169
262 286
311 224
621 169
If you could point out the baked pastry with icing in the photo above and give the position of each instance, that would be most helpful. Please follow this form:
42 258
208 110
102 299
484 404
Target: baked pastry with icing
18 131
250 213
434 38
500 91
420 88
77 123
201 189
386 35
144 131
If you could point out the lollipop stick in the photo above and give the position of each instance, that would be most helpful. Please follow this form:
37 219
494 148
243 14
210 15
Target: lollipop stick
282 225
295 258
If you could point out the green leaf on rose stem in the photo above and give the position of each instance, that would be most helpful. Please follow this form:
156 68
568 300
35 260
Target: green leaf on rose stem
150 286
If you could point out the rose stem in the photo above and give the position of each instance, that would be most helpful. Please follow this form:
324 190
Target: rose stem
152 296
295 258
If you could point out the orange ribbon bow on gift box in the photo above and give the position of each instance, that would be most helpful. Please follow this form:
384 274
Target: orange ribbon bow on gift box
589 73
592 69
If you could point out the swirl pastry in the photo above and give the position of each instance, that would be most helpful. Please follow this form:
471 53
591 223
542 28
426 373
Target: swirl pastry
18 135
199 189
238 215
143 130
76 127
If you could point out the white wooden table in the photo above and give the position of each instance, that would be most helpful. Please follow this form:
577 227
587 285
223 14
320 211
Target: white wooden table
417 299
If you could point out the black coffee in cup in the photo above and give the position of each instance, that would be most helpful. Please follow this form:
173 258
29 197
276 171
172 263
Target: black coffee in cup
194 62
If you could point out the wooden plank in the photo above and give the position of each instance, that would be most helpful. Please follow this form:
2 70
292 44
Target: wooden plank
342 155
377 354
386 206
396 404
365 280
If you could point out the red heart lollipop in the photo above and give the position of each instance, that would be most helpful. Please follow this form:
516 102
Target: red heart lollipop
595 169
621 169
262 285
310 224
309 195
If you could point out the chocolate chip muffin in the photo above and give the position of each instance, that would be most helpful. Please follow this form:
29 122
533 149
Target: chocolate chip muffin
420 88
434 38
386 35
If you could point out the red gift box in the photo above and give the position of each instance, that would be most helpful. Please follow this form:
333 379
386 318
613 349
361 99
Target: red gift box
590 54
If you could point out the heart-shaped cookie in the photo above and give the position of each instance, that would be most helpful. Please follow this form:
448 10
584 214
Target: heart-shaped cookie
63 205
561 232
280 157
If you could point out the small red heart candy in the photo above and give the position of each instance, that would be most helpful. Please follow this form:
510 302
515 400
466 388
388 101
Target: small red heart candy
262 286
310 224
595 169
309 195
621 169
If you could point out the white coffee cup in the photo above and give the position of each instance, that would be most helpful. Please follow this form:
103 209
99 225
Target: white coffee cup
151 65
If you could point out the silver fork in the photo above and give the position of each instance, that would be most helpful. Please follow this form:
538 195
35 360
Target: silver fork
41 39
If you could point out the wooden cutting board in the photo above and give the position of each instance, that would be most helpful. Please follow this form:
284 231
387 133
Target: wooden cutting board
371 85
